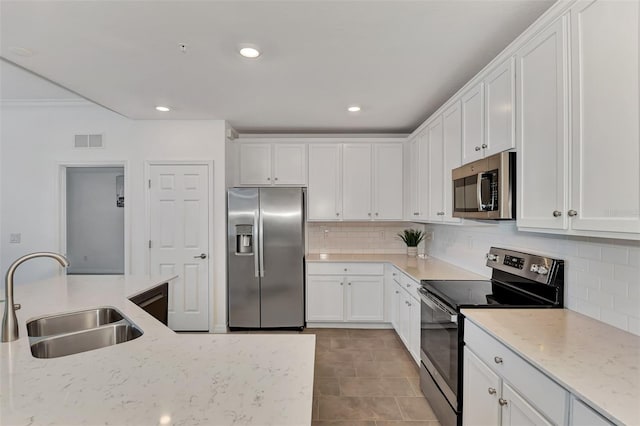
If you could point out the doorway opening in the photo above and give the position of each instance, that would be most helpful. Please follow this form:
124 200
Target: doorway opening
94 204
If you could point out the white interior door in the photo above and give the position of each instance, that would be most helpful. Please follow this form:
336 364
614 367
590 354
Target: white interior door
179 218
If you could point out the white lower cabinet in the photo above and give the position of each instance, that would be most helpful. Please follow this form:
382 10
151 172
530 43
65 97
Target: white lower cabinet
583 415
405 315
501 388
342 292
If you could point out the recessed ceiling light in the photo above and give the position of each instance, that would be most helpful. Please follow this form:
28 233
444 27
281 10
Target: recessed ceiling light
163 108
250 52
353 108
20 51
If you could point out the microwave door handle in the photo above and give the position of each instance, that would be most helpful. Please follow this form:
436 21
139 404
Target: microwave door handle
479 192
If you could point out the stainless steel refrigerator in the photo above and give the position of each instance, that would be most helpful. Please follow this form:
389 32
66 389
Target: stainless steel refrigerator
265 257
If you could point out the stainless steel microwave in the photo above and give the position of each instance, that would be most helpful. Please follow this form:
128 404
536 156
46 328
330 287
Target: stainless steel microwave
485 189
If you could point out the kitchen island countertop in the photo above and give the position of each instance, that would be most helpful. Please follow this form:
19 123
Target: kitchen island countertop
159 378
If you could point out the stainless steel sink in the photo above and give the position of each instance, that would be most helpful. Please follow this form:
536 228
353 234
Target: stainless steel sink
83 341
70 333
72 321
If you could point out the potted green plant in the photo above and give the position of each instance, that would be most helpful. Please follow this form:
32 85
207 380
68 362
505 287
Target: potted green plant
412 237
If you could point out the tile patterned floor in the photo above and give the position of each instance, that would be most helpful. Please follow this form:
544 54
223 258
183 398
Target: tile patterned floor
366 378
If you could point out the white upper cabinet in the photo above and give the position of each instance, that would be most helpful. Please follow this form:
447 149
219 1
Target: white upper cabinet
324 197
605 154
255 164
435 170
265 164
387 181
542 139
452 141
412 209
473 124
356 181
356 172
422 165
290 164
499 97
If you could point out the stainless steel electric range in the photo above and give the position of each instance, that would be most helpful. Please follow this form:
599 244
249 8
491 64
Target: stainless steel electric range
518 280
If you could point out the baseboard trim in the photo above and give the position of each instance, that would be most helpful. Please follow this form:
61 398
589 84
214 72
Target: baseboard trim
362 325
220 329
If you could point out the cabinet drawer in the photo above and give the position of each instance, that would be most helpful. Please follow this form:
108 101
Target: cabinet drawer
410 285
317 268
549 397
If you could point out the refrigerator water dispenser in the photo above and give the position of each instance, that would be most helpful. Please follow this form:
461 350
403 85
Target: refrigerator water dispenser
244 239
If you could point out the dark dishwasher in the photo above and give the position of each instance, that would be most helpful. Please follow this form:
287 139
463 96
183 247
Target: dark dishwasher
155 302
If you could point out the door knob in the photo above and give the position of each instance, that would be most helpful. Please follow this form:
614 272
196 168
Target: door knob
503 401
572 213
202 256
497 360
557 213
492 391
477 148
484 146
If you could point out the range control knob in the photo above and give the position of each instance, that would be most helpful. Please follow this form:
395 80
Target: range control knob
492 257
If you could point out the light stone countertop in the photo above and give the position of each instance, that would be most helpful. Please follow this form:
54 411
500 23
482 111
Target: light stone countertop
418 268
597 362
160 378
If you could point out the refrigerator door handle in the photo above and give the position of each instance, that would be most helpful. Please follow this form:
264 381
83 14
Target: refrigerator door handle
261 242
255 255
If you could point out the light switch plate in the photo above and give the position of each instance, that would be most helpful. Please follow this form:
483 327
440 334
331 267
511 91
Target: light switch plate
15 238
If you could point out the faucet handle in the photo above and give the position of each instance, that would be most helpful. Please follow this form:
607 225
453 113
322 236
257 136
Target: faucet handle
16 306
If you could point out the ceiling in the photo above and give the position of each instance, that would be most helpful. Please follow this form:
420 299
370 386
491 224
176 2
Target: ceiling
398 60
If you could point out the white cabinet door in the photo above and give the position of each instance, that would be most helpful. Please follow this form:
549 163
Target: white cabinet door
517 412
255 164
481 390
473 123
325 182
583 415
499 96
289 164
452 142
396 301
422 185
605 149
356 172
325 300
387 181
414 163
365 298
414 328
542 139
435 171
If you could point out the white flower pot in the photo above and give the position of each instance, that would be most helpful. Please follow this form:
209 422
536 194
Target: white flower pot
412 251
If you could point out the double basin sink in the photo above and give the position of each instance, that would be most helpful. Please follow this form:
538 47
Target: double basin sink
74 332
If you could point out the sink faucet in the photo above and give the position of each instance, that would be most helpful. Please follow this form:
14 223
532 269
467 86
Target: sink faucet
9 320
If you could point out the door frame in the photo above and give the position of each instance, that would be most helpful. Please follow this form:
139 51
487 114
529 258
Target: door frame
62 167
210 240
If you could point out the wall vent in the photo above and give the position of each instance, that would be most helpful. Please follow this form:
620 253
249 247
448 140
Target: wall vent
88 141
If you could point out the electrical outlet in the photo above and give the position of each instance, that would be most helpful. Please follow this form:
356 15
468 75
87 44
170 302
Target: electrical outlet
15 238
428 236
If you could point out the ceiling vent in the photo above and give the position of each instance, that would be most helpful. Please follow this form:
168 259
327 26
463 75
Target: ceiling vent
88 141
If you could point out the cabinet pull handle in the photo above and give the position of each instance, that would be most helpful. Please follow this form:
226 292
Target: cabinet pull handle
497 360
484 146
572 213
369 214
393 273
503 401
416 213
337 214
349 283
397 292
557 213
268 178
477 148
341 283
345 269
376 214
409 303
408 285
276 178
492 391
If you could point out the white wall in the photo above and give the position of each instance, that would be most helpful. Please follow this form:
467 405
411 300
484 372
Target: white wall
36 139
95 224
602 275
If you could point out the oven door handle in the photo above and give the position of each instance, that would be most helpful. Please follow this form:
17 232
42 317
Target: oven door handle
436 305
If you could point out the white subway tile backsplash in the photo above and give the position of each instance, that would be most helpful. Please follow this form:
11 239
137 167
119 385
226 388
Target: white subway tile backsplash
602 275
618 255
357 237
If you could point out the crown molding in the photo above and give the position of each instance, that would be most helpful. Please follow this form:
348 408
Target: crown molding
73 102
